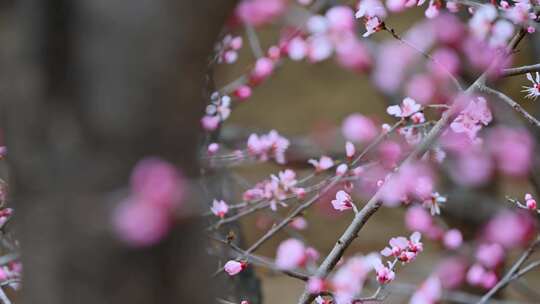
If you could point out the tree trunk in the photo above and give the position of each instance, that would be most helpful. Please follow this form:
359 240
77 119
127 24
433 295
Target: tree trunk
93 86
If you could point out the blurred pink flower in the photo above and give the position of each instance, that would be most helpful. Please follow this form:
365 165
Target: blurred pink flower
291 254
358 128
141 224
451 272
322 164
512 149
430 292
418 219
453 239
490 255
510 229
259 12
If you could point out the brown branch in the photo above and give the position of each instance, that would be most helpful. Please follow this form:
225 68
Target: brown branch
374 203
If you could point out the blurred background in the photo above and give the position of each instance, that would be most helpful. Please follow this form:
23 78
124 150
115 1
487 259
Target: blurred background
309 101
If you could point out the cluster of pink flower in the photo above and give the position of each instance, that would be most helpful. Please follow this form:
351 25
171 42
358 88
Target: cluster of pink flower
271 145
292 254
330 34
216 112
403 249
11 273
146 215
506 149
418 219
471 119
276 189
227 50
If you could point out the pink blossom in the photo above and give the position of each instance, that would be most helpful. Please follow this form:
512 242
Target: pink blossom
210 123
370 8
452 239
341 169
482 20
471 119
413 180
340 18
352 54
145 217
319 48
315 285
213 148
433 9
433 202
512 149
475 274
322 164
299 223
451 271
445 61
530 202
5 216
157 182
3 151
287 179
414 242
502 32
297 48
418 219
348 281
408 107
389 153
263 68
141 224
291 254
478 276
490 255
234 267
510 229
534 90
271 145
343 201
321 300
448 28
405 250
312 254
243 92
472 169
519 12
219 208
358 128
385 274
421 88
430 292
350 150
259 12
373 25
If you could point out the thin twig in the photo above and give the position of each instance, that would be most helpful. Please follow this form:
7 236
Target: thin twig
508 277
254 41
509 101
375 203
520 70
316 197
